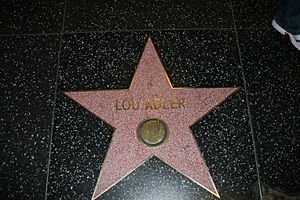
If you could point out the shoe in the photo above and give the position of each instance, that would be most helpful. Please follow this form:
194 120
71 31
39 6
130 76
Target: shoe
295 39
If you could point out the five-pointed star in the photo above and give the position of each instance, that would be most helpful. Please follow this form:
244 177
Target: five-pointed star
126 151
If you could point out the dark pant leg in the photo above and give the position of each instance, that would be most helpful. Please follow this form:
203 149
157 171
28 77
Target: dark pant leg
288 15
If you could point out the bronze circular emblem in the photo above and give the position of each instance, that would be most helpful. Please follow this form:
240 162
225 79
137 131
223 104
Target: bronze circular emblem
152 132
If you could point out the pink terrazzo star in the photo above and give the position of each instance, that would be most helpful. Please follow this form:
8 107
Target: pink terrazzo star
151 95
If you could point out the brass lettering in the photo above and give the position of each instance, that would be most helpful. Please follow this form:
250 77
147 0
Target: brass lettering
133 104
117 105
157 104
152 104
173 102
164 104
148 105
181 102
124 106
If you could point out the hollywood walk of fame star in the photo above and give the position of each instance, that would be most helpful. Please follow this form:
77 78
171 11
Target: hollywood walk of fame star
151 95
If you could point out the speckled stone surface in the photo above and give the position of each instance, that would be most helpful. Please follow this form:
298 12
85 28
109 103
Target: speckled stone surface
135 15
238 178
254 13
21 16
273 81
27 69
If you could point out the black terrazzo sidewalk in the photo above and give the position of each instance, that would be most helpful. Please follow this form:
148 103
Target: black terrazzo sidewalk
51 148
